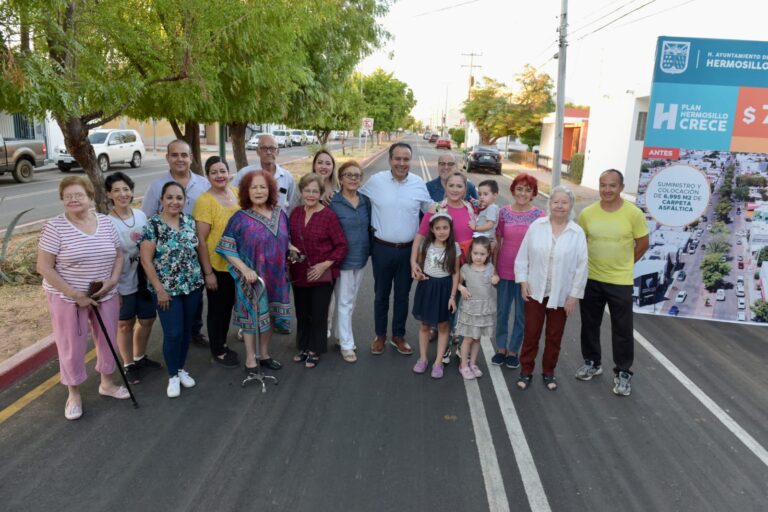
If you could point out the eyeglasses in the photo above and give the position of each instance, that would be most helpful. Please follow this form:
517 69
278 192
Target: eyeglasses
446 164
79 196
178 155
352 175
269 149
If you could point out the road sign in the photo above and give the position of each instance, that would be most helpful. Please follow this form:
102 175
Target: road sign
367 123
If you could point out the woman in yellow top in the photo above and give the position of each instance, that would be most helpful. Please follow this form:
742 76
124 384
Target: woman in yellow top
212 212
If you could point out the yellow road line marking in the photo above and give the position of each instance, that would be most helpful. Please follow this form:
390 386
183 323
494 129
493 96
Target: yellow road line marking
36 393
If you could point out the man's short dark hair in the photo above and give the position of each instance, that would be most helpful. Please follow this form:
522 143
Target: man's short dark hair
491 184
618 173
399 145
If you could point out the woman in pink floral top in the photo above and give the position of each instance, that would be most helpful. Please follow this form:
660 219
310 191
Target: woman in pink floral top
514 220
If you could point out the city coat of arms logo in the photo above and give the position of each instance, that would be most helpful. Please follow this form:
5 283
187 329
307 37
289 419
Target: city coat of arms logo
674 57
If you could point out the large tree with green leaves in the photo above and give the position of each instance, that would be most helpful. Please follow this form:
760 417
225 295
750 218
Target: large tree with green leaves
498 111
387 100
85 62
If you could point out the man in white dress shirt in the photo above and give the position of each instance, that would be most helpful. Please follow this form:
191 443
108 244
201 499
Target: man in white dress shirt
396 197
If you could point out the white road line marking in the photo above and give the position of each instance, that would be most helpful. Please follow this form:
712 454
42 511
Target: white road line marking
750 442
537 498
424 169
55 190
489 463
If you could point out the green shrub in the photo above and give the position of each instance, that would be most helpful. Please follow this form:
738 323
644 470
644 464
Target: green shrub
577 168
457 134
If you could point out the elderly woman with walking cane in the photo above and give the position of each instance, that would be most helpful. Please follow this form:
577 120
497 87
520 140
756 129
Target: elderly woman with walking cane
76 248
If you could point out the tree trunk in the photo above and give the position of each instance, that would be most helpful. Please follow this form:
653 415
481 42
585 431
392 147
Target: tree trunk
77 143
237 132
322 136
190 135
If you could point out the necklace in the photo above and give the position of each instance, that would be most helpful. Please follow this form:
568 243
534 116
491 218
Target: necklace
133 217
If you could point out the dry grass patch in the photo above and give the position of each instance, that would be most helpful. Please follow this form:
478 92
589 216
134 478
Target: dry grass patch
23 318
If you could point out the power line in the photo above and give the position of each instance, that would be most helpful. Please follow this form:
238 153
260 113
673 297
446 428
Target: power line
447 8
583 27
655 14
615 20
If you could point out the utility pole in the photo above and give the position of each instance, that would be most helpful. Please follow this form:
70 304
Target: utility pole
471 82
445 112
557 157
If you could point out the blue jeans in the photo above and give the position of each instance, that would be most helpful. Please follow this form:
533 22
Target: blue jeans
391 266
508 292
177 322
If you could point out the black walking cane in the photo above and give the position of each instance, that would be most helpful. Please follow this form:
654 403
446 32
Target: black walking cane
94 287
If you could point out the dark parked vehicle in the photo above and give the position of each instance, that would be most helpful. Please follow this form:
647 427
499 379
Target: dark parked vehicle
433 137
483 157
20 157
681 275
674 311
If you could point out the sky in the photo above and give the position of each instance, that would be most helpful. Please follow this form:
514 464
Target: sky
430 36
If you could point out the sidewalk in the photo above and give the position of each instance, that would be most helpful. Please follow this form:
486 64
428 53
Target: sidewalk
584 195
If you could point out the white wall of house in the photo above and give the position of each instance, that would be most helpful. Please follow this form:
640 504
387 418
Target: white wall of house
547 143
614 141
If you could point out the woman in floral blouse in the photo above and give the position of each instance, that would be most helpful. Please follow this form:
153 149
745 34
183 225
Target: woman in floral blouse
169 254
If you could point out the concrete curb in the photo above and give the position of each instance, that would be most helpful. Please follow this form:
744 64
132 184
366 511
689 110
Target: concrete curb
26 361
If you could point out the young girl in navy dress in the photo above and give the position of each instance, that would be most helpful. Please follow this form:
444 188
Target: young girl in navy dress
477 314
435 299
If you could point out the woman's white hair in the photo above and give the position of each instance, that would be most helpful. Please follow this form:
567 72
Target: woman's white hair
571 197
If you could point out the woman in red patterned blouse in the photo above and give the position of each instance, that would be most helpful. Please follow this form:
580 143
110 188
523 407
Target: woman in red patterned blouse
316 233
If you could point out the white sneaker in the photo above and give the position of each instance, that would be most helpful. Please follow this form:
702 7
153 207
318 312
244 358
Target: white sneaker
173 387
186 380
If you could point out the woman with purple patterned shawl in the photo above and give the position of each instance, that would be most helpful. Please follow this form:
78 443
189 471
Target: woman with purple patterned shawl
255 242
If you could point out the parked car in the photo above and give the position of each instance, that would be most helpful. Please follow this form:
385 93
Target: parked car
433 138
111 147
741 316
740 279
483 157
298 138
311 137
740 265
253 142
720 294
681 296
742 303
427 135
681 275
282 138
673 311
443 142
740 290
20 157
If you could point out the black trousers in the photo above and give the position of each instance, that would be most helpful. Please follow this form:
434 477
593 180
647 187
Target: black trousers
312 316
619 300
220 304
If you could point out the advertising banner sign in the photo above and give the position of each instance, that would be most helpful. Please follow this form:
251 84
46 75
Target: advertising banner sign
704 182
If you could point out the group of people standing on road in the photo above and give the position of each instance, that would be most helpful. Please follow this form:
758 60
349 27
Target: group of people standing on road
251 238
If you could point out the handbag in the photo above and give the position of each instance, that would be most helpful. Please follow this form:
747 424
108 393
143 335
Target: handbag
327 276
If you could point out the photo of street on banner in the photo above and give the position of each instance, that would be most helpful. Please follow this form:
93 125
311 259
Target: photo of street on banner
704 182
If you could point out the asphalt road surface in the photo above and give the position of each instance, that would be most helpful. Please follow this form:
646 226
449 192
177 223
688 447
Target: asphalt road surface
373 436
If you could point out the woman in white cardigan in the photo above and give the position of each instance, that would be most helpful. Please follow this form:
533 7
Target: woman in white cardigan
551 268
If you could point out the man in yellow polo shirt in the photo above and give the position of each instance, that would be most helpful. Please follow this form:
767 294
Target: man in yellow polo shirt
617 236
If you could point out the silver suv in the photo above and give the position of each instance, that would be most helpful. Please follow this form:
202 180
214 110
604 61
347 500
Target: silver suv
111 146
